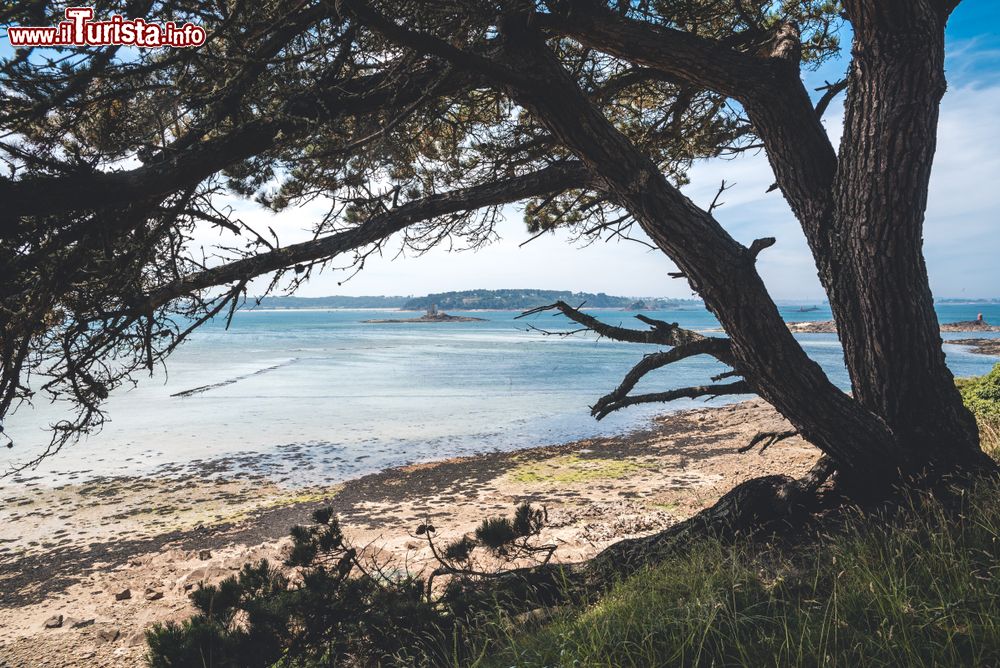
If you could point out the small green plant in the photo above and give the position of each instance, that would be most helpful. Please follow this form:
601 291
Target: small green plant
329 607
914 586
982 395
333 613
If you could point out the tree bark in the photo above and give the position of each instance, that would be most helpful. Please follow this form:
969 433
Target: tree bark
881 295
720 269
862 211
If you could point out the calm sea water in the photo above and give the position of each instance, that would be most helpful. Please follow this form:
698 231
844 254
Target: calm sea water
318 396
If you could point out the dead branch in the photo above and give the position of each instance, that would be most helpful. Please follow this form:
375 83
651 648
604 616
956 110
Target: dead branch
760 244
661 333
718 348
715 200
694 392
832 90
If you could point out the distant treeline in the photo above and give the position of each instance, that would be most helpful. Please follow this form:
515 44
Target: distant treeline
515 300
499 300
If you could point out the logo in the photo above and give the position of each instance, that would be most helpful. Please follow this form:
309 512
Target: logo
79 29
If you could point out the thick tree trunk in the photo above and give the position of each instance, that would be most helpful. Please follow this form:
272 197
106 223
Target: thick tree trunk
720 269
862 214
880 295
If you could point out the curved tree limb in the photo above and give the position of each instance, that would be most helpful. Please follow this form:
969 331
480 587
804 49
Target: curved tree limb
661 333
830 91
681 55
718 348
767 438
43 195
694 392
556 177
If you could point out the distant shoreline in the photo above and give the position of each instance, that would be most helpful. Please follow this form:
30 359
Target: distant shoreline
279 309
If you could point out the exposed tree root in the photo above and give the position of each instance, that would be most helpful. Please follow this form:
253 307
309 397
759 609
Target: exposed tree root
761 507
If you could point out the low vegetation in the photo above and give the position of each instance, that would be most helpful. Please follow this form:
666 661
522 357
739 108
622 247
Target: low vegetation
982 396
915 584
574 468
915 587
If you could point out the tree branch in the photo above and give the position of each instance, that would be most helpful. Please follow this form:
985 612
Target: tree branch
768 438
831 90
43 195
560 176
661 333
739 387
682 55
718 348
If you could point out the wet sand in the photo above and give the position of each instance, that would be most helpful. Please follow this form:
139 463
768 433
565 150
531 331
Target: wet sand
69 551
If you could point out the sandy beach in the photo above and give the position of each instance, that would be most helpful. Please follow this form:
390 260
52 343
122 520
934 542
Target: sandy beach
85 569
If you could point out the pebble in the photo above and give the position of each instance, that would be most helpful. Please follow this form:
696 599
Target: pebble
54 622
123 595
153 595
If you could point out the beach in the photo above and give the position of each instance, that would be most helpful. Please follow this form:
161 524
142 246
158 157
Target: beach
157 539
389 425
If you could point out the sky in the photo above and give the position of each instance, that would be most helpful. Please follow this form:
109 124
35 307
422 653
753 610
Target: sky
961 243
962 246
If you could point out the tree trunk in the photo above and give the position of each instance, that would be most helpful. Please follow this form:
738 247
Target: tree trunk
881 296
720 269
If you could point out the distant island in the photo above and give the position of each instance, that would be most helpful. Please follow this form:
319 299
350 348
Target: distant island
521 299
432 315
485 300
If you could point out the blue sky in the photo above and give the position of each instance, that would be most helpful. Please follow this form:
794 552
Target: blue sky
961 243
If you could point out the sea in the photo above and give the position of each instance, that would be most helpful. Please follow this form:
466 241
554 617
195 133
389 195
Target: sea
308 397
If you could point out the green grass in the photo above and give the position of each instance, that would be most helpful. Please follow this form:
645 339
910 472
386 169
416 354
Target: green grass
920 587
573 468
917 589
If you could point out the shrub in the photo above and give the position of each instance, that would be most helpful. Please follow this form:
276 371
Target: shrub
340 611
982 395
332 615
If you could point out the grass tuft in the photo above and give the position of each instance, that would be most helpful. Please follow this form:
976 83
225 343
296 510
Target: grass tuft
574 468
917 588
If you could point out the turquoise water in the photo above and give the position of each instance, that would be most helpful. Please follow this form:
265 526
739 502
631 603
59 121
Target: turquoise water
318 396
